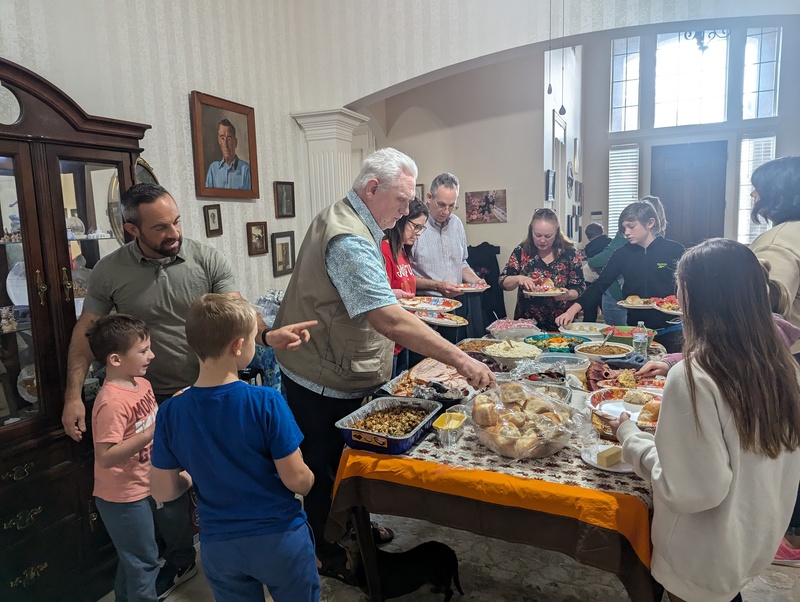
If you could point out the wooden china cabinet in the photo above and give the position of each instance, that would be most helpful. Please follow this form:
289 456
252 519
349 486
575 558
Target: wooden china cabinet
58 169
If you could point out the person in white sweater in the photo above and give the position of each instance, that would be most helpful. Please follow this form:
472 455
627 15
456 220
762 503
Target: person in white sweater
723 463
776 192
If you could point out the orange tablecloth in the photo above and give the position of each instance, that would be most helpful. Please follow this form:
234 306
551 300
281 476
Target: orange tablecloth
599 518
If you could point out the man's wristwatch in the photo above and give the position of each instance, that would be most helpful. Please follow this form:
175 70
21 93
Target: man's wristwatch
264 337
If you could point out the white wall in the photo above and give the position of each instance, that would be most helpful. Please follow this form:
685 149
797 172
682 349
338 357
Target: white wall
485 126
139 60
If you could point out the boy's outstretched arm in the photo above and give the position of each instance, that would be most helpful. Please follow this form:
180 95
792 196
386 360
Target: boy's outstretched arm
168 485
294 473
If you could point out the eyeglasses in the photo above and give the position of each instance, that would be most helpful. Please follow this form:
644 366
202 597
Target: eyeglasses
418 228
446 207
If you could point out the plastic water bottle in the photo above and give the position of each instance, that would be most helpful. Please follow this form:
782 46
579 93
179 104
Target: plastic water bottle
640 339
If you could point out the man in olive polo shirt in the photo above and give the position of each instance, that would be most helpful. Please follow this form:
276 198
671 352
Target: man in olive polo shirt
156 278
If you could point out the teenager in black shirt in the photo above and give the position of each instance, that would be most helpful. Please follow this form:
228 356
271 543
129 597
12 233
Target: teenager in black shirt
647 263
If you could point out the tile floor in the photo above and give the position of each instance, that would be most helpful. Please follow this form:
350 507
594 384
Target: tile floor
492 569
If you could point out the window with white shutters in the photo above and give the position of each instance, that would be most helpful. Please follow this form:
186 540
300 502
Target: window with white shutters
623 181
753 152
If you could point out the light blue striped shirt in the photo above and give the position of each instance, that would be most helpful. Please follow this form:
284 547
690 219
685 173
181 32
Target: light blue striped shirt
234 176
440 252
355 267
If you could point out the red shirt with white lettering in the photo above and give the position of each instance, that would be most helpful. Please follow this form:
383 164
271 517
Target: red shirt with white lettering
118 414
400 274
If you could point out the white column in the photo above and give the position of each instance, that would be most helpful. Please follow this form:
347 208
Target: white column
329 135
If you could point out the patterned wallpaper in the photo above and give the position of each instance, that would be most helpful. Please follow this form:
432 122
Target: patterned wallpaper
139 60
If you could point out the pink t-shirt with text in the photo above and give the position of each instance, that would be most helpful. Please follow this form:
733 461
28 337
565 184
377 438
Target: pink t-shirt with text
119 414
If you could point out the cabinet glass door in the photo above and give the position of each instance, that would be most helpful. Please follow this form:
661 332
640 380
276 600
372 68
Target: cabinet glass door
19 391
86 188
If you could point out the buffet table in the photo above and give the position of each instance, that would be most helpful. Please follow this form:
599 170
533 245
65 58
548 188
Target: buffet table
558 503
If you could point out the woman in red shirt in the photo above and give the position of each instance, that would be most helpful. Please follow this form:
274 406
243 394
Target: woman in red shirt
395 254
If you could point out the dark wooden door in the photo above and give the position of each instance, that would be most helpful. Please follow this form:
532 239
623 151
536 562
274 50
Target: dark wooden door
690 181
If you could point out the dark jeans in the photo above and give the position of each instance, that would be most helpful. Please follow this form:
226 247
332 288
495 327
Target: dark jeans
284 562
174 529
590 313
131 528
322 445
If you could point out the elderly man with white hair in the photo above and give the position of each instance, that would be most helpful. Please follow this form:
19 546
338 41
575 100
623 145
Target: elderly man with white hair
340 280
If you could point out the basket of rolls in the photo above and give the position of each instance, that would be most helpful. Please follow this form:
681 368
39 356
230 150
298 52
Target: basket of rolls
607 405
518 420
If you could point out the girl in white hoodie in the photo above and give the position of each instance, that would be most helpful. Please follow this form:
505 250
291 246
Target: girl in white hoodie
723 462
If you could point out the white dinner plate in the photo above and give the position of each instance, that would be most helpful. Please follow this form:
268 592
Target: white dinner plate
466 287
671 312
630 306
583 329
613 408
551 293
591 459
442 304
441 319
16 286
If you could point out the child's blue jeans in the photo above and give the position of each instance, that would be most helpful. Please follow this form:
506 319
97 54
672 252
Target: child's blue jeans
132 529
284 562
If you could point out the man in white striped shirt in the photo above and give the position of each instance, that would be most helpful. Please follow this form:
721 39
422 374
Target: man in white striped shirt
439 257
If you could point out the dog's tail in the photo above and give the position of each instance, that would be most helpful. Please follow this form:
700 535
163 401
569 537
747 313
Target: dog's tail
456 581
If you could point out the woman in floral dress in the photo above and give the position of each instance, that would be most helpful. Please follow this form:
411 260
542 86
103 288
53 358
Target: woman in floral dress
545 259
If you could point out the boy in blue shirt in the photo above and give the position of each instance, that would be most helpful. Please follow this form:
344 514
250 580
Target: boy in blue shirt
240 444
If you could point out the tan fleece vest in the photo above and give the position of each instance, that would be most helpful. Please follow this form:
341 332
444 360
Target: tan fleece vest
343 354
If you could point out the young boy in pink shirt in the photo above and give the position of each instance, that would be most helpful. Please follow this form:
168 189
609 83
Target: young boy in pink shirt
123 419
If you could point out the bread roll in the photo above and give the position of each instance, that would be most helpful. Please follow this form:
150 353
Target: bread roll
553 417
508 430
516 418
485 414
537 406
512 392
525 445
480 398
650 411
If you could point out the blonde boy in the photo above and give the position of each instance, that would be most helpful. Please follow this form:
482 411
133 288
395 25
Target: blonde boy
240 444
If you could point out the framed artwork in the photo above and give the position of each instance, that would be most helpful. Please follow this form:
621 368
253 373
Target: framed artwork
421 192
212 215
224 147
282 253
257 238
486 207
284 199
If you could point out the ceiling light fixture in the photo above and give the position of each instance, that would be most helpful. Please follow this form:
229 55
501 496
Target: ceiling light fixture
701 35
550 48
563 109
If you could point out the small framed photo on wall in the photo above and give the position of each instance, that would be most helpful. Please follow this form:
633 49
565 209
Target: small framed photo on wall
284 199
212 215
257 238
421 192
282 253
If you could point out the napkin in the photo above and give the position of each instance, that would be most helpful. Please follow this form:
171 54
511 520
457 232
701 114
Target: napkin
632 360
